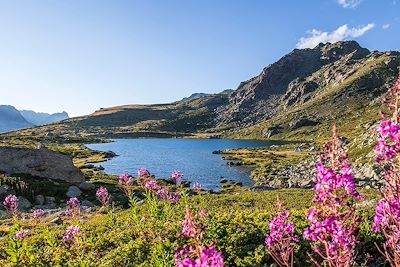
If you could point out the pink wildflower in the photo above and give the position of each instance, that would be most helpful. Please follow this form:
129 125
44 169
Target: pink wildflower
11 204
73 202
21 235
142 172
387 216
71 232
333 220
197 186
208 257
102 196
162 193
125 179
38 213
282 239
174 197
176 177
152 185
195 254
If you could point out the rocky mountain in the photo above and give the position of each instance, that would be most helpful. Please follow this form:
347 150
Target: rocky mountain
298 97
39 118
11 119
193 96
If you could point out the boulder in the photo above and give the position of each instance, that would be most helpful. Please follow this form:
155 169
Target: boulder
270 131
74 191
86 186
87 203
24 204
39 162
39 200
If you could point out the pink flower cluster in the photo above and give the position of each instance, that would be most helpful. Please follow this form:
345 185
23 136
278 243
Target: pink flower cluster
142 172
282 239
102 196
333 220
21 235
11 204
125 180
207 257
388 141
195 254
387 216
151 185
38 213
73 207
71 232
73 202
197 186
176 177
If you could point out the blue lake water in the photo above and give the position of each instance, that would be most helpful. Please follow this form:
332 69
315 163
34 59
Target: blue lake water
193 157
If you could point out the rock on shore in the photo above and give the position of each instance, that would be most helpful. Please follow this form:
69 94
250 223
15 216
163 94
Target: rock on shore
40 162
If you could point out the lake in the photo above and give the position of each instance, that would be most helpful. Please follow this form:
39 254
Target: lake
193 157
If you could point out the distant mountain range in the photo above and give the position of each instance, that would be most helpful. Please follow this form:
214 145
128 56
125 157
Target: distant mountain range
12 119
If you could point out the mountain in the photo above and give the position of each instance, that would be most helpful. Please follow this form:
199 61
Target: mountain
39 118
193 96
298 97
11 119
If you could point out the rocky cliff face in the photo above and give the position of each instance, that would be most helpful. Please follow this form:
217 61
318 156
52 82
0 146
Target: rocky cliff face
39 162
289 79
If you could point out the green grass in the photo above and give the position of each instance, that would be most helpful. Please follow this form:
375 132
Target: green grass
237 224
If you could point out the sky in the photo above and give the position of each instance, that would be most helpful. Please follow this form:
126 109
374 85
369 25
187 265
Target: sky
80 56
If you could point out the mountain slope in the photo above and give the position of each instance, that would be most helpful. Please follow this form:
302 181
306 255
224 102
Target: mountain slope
11 119
39 118
296 98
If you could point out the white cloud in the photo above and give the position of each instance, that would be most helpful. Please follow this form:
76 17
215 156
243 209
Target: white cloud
349 3
314 37
385 26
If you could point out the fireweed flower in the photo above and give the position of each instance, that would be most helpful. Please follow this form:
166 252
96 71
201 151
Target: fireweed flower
195 254
102 196
162 193
125 179
174 197
176 177
282 240
126 182
73 202
70 233
197 186
207 257
387 216
73 207
21 235
38 213
151 185
333 222
142 172
190 228
11 204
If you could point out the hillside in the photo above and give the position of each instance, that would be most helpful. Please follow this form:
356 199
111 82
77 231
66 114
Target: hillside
304 91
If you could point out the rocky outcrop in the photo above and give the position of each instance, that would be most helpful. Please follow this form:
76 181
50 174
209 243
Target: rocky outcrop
39 162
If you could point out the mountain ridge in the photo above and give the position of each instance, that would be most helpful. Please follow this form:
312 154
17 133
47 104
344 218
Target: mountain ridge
304 89
12 119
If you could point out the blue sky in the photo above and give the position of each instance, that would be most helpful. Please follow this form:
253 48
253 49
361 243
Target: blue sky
79 56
